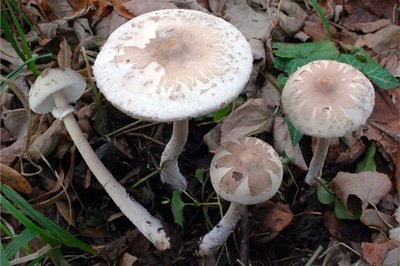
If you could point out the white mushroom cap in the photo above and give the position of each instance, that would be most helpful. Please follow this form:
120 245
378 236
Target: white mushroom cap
173 64
246 171
50 81
328 99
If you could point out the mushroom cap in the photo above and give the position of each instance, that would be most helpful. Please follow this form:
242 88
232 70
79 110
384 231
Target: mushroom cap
246 171
326 99
70 82
173 64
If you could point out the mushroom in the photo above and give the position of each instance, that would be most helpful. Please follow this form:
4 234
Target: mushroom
52 92
171 65
327 99
245 171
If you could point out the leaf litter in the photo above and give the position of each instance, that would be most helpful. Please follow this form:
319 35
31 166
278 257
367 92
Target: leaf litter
64 27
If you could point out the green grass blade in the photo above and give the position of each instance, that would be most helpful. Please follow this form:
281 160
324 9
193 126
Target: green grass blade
19 69
321 14
5 26
19 241
52 230
3 258
24 41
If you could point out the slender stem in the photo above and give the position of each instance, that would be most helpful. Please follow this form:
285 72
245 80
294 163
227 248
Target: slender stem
148 225
218 235
317 161
170 172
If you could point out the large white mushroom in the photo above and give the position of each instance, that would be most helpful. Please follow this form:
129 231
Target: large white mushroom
172 65
53 91
327 99
244 172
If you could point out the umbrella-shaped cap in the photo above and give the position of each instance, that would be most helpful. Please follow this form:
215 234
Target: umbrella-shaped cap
173 64
328 99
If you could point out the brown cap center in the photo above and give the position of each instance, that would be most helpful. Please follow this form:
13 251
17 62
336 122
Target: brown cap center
170 42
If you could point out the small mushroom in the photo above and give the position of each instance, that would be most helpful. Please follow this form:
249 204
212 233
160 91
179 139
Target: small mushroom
53 91
245 172
327 99
171 65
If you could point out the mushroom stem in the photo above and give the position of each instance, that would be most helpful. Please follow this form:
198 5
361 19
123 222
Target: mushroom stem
317 161
170 172
147 224
218 235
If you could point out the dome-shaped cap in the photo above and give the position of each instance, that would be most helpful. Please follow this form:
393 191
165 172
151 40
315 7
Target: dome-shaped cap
247 171
328 99
173 64
50 81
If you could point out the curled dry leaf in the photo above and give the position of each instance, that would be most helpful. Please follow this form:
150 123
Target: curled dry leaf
369 187
282 142
108 24
11 177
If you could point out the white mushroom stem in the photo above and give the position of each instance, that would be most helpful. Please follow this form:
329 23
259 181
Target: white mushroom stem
317 161
147 224
170 172
218 235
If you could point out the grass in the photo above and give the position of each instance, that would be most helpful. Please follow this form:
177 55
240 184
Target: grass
36 226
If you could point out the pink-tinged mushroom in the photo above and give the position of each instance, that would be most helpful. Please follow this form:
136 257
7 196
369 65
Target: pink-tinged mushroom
172 65
53 91
245 172
327 99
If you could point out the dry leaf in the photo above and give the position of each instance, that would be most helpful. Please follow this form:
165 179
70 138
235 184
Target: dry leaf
66 212
128 259
374 218
374 253
368 27
108 24
248 119
11 177
273 217
16 122
386 43
64 56
392 257
254 24
369 187
46 142
9 54
139 7
282 142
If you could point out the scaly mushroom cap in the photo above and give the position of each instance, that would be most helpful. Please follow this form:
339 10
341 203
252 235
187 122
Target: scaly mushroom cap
328 99
173 64
247 171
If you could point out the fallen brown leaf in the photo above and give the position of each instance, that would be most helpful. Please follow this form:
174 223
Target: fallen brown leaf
11 177
282 142
369 187
273 217
374 253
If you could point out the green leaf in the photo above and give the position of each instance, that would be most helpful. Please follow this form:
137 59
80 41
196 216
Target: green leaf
368 162
321 49
377 74
221 113
199 175
342 213
282 79
177 206
324 196
295 135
